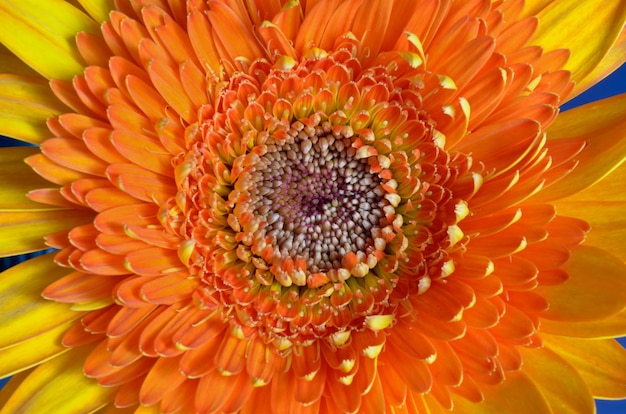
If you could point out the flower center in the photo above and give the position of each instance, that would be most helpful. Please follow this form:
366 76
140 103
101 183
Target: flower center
315 199
318 200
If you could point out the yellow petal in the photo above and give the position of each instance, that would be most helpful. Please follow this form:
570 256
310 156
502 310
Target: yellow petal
23 232
613 60
596 288
599 362
32 352
607 220
561 385
98 9
13 191
41 33
11 386
587 27
60 386
602 206
602 124
533 7
517 395
610 188
25 106
611 327
25 314
9 63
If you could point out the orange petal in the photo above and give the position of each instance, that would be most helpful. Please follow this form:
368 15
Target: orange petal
112 221
73 154
153 261
230 358
162 378
499 155
80 287
103 263
178 399
141 183
169 34
98 142
168 83
52 171
201 38
213 391
168 289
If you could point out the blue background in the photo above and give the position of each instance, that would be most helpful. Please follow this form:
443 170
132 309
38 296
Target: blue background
613 85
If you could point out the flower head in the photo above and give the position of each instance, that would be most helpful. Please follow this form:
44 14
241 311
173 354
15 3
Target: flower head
302 207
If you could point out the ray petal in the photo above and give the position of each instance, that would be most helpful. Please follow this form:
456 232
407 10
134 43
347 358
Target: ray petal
599 362
13 191
60 376
595 289
566 24
602 206
517 395
23 232
601 125
98 9
613 60
25 105
560 383
33 351
25 313
612 327
42 35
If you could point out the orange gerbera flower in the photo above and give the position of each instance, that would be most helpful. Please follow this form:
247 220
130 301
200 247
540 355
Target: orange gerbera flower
319 206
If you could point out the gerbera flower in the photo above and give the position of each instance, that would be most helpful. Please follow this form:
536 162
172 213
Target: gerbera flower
319 206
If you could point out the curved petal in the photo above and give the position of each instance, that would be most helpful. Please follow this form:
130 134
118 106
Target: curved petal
611 327
25 314
42 35
98 9
602 206
595 289
599 362
10 387
13 191
9 63
33 352
611 62
533 7
607 221
575 25
61 376
23 232
561 385
602 125
25 106
518 394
